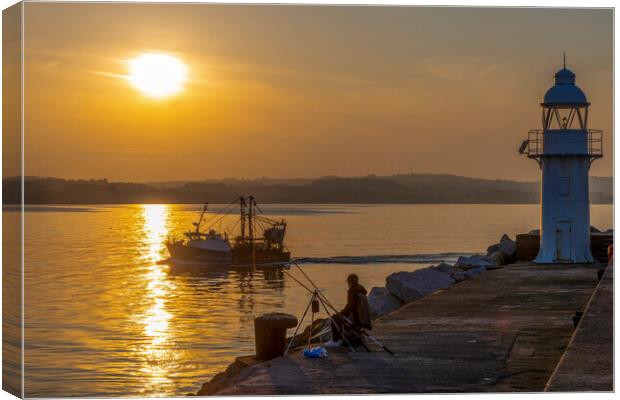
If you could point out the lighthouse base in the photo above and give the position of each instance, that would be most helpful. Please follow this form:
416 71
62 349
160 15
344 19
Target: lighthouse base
580 255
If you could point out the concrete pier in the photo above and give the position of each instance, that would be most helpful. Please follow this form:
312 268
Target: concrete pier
505 330
588 363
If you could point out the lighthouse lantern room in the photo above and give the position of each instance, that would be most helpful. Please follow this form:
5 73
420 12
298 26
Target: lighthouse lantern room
564 149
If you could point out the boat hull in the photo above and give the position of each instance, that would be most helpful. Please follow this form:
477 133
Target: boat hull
180 251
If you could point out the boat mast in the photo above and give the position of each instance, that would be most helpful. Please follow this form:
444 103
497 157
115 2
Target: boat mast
250 222
242 211
202 214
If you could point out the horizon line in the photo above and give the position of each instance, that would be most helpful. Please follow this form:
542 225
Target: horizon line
280 178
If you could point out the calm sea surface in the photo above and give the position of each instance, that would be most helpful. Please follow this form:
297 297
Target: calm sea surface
105 318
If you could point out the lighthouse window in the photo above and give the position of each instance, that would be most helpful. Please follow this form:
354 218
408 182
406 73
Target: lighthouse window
564 186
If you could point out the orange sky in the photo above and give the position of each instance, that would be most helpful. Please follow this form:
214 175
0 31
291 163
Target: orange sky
292 91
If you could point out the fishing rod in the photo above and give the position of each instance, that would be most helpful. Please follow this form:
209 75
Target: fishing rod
309 280
344 317
325 302
315 295
315 300
349 323
316 288
297 329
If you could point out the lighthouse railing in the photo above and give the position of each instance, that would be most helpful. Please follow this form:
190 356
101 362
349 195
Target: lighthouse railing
536 144
595 143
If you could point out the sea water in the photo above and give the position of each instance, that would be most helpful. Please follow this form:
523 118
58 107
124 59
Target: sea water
104 316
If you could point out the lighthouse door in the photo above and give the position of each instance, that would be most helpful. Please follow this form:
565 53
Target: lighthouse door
563 241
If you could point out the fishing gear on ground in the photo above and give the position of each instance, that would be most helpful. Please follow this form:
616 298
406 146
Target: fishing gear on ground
317 300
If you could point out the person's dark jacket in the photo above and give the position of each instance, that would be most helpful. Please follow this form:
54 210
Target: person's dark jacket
352 298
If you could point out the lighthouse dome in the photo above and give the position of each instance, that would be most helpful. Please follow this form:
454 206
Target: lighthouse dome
564 92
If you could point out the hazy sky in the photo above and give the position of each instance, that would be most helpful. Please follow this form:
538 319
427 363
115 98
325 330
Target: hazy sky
300 91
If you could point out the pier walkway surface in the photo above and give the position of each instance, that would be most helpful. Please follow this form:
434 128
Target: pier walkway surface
505 330
587 364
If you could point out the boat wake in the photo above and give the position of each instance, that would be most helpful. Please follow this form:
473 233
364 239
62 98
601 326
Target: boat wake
384 259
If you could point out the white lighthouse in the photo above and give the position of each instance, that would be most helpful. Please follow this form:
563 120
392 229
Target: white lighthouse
564 149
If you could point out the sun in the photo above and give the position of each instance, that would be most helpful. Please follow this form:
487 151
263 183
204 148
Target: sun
157 75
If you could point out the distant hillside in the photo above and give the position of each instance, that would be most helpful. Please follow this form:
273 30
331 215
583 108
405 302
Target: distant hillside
411 188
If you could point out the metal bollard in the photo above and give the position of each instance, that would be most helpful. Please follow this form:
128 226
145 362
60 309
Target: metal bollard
270 334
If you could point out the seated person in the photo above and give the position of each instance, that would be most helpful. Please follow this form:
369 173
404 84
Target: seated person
355 311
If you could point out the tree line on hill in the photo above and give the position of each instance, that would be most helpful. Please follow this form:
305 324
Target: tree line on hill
403 189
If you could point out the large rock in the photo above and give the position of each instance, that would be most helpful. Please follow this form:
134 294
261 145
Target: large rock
508 247
474 272
467 262
410 286
446 268
224 379
381 302
493 248
499 258
459 276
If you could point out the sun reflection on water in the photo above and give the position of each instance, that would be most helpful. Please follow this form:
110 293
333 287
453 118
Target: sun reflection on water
155 229
157 352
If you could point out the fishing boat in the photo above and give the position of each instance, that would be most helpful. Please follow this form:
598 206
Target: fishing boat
258 240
